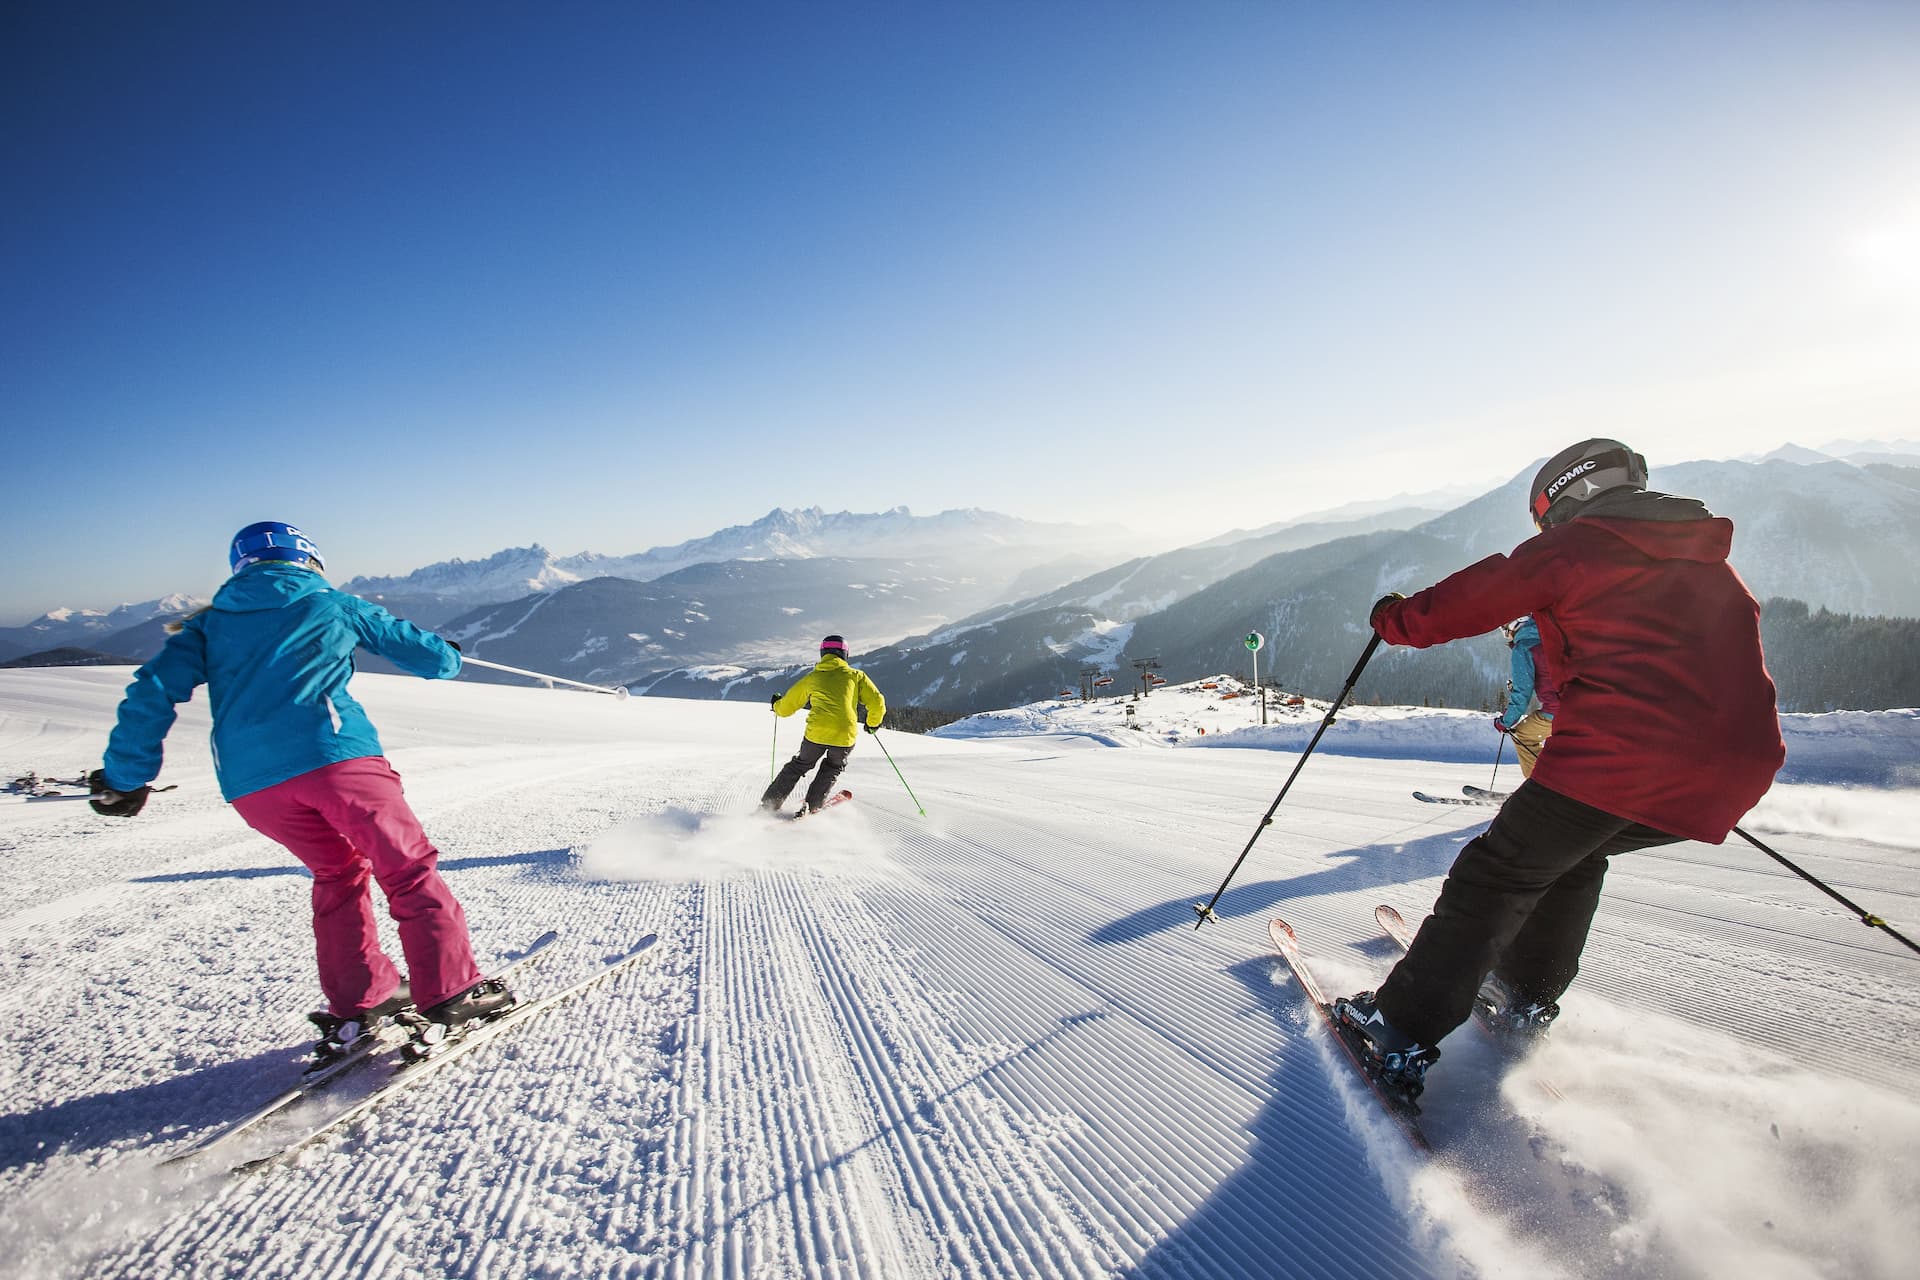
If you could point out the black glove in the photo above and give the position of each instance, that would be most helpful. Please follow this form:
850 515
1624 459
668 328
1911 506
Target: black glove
455 646
871 728
773 700
115 804
1373 614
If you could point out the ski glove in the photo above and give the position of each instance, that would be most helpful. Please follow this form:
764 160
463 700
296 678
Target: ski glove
1500 723
1373 614
115 804
871 728
773 700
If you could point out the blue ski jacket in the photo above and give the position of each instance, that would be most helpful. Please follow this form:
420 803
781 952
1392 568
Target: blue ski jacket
275 650
1525 678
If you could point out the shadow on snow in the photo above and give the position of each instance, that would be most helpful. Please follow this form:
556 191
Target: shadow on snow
1368 867
542 858
183 1104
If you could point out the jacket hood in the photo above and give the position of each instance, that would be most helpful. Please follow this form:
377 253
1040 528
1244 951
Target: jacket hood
829 662
268 585
1707 539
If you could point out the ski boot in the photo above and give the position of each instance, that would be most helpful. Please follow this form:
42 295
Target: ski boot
452 1018
1394 1058
337 1035
1509 1014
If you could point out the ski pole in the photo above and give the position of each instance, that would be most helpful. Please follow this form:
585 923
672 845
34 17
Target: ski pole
896 773
1206 911
617 690
1866 917
1499 751
773 758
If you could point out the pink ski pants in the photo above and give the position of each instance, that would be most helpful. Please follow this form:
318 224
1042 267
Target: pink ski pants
346 821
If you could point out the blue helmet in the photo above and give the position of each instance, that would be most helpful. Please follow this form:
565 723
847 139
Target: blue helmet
271 540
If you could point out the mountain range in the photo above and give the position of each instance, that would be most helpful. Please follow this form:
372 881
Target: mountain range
969 609
1833 534
997 550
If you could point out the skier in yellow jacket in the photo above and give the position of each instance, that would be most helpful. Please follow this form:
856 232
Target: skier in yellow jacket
831 692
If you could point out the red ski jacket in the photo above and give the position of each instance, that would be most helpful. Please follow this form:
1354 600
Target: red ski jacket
1666 708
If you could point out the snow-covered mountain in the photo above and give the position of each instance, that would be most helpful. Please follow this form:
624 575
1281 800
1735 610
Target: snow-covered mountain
766 612
86 628
1831 534
1863 451
1149 584
999 544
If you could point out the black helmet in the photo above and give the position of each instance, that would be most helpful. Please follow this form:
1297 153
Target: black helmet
1578 474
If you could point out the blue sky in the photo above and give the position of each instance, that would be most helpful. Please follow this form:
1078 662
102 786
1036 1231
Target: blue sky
433 280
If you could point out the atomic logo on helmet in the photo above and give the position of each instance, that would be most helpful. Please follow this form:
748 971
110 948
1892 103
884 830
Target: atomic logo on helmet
1599 466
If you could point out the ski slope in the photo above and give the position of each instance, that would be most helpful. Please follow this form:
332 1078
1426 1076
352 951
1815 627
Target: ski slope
987 1042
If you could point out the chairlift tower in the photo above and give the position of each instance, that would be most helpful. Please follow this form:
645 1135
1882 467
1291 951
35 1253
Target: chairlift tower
1146 667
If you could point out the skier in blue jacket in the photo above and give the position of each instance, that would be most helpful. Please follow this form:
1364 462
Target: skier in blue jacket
298 759
1527 680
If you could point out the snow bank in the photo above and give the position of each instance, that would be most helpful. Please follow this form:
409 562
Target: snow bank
1858 748
1845 748
1867 748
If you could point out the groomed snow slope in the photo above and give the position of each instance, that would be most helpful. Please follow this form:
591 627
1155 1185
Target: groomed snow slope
984 1043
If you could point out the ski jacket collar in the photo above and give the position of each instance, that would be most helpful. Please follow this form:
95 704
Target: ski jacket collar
832 662
268 585
1645 504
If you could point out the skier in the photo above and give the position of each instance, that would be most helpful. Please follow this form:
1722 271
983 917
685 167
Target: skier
830 692
299 760
1527 679
1666 731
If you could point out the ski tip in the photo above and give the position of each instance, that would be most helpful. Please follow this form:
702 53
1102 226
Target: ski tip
1279 927
1384 913
645 944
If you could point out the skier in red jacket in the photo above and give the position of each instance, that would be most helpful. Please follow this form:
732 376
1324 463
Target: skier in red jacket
1666 731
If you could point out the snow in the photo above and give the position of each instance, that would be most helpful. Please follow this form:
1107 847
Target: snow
1845 748
988 1042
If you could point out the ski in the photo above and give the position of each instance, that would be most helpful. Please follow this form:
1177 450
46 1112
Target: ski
1399 1108
1421 795
838 797
1484 1005
451 1051
388 1034
1481 793
32 788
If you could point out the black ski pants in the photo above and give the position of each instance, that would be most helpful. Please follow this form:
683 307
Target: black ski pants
1518 901
831 761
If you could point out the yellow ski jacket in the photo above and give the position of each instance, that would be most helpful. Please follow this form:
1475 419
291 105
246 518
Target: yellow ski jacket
830 692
